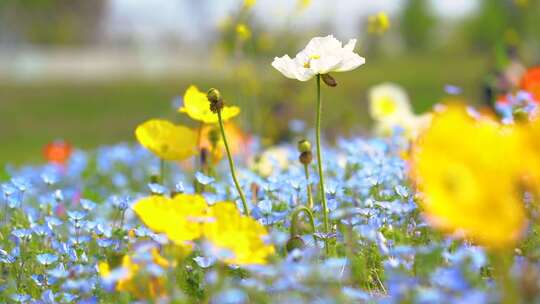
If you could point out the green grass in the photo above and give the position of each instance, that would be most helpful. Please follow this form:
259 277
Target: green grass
91 114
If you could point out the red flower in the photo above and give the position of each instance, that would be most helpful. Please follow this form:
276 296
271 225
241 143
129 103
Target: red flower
531 83
57 152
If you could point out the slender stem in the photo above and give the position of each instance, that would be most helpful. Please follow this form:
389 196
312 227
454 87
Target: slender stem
502 263
231 165
162 171
294 221
308 187
319 163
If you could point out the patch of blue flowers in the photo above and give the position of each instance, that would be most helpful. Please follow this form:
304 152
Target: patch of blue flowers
59 222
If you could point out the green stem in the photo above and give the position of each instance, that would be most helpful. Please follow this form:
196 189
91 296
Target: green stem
231 165
294 221
162 171
320 165
308 187
502 264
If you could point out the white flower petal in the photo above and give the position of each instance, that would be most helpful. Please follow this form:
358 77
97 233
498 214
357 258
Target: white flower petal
350 63
285 65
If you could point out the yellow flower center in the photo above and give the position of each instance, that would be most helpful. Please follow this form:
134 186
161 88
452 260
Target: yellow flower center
387 105
307 65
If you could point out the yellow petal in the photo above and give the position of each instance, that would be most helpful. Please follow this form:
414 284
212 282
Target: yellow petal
241 235
154 211
197 106
166 140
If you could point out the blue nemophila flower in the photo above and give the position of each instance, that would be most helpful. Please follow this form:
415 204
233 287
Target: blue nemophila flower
76 216
203 179
204 262
20 298
230 296
22 234
47 259
157 189
48 297
59 272
49 178
87 205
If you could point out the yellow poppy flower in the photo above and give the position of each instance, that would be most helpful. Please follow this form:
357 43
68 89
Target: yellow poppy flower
187 218
468 174
166 140
197 106
179 218
241 235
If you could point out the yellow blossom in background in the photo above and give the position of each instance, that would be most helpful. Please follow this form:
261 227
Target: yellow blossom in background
468 174
249 3
243 31
390 108
378 23
166 140
197 106
303 4
179 218
238 234
521 3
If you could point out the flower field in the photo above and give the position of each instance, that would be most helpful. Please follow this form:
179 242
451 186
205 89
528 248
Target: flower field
432 207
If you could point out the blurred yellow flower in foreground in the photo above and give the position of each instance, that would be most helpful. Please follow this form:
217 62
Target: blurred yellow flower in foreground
243 31
378 23
197 106
187 218
468 173
166 140
241 235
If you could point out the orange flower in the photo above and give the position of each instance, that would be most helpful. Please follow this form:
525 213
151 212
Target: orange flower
531 82
238 141
57 152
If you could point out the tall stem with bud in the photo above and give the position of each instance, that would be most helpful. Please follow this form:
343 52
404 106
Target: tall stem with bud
216 105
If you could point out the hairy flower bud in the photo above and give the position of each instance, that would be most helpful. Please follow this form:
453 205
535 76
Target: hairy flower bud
329 80
216 101
213 95
306 158
304 146
295 242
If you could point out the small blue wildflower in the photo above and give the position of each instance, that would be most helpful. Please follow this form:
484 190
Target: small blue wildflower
203 179
47 259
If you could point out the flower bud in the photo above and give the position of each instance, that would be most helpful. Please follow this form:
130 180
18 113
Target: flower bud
304 146
295 242
216 101
306 158
213 95
329 80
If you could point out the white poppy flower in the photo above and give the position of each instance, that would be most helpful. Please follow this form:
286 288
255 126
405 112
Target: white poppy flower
322 55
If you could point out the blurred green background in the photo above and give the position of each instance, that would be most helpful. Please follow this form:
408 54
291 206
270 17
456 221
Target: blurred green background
90 71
